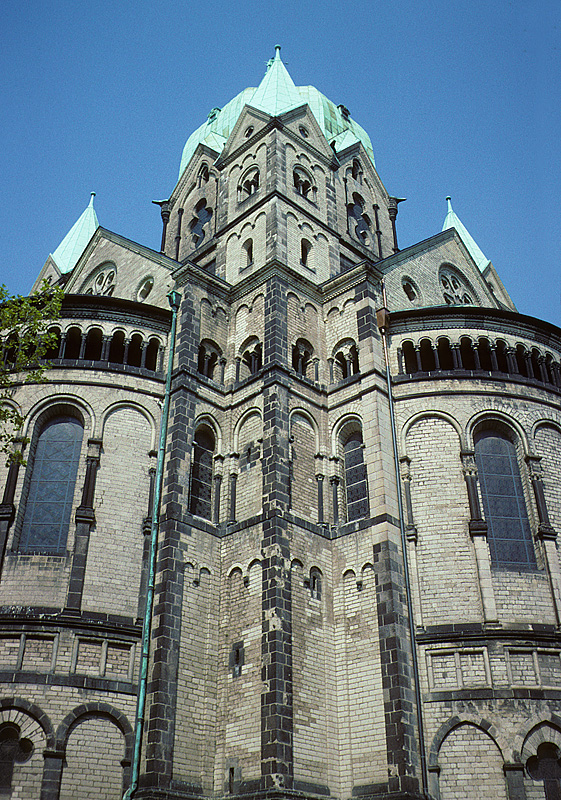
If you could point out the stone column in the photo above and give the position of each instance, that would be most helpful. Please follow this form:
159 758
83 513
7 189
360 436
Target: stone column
478 533
546 534
105 348
85 520
234 462
218 470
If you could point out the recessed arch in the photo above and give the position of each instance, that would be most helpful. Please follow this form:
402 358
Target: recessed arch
121 404
301 412
247 415
428 415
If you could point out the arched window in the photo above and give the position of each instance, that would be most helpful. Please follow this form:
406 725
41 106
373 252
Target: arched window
152 352
484 351
445 358
428 362
466 353
134 355
54 468
249 184
509 534
357 170
248 249
253 358
117 348
54 348
303 183
305 250
356 487
73 343
200 502
409 357
315 583
93 345
302 353
203 175
209 355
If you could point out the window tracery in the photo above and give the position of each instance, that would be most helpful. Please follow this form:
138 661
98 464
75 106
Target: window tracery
103 282
454 287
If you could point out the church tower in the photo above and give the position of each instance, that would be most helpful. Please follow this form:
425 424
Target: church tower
357 588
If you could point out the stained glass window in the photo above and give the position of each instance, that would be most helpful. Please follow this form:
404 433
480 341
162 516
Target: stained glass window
51 488
509 534
355 477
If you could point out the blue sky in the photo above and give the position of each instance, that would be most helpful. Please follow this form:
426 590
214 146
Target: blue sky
458 98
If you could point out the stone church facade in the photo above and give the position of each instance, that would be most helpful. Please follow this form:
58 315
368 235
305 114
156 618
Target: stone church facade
293 653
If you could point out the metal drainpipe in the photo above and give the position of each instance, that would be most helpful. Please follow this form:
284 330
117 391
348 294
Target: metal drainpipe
174 299
383 320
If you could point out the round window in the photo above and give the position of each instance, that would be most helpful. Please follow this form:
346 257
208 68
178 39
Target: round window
249 131
144 289
304 131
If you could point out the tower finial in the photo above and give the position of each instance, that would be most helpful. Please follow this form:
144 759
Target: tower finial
277 50
91 198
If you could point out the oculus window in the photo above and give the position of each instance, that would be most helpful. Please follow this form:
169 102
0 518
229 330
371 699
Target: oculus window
51 487
509 534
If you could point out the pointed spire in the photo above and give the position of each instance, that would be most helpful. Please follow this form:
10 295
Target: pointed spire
74 243
276 93
453 221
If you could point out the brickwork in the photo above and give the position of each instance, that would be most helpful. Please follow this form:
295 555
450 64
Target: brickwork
127 442
438 492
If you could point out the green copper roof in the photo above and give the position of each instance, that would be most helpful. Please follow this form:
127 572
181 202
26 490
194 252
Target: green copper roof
275 95
74 243
453 221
